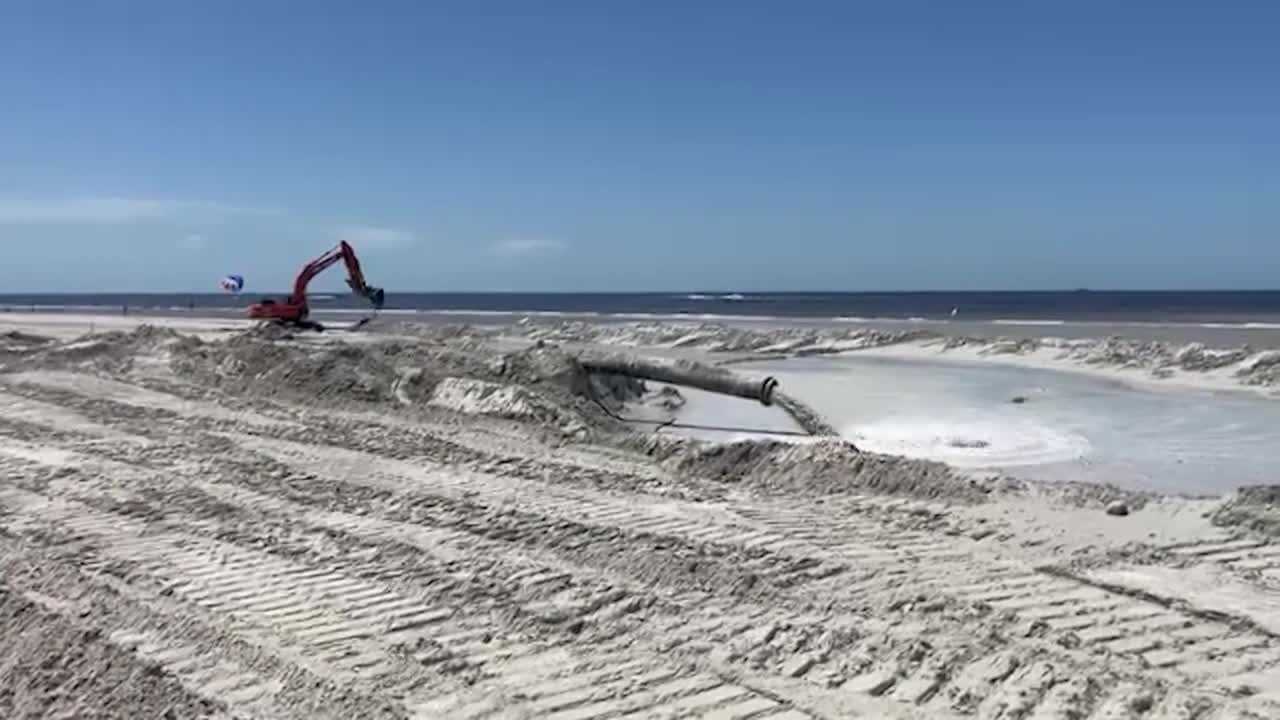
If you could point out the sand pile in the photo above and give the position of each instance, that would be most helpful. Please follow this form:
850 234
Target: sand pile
719 338
16 344
1260 369
115 352
18 340
820 467
451 370
1247 365
540 384
478 397
1254 508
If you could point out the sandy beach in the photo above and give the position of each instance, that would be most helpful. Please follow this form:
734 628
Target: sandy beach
200 518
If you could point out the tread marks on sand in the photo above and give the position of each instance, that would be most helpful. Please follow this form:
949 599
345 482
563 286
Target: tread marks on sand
154 417
1006 590
1162 637
48 654
335 621
1067 604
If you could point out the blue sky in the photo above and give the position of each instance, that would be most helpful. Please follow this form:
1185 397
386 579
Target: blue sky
641 146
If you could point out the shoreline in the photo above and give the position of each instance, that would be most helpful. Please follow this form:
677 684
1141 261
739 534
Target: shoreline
1188 365
1050 351
1263 329
1210 381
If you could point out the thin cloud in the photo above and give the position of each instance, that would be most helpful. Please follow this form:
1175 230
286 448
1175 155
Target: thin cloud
524 247
376 238
110 210
90 210
217 208
194 241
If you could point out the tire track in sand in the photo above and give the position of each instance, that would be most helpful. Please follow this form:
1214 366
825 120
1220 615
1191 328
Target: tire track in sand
1162 637
331 623
1064 606
927 682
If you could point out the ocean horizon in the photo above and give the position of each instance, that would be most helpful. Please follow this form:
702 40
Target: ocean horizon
1198 307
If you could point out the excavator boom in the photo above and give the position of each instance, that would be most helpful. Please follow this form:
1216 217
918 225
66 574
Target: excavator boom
295 309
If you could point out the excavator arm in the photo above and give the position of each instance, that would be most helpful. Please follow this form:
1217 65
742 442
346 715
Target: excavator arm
355 276
295 309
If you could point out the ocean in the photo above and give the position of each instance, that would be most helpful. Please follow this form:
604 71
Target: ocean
1240 309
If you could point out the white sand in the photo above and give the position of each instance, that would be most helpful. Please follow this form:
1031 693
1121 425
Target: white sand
411 562
65 326
1045 358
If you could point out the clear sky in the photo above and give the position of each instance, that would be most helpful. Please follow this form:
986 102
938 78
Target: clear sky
643 145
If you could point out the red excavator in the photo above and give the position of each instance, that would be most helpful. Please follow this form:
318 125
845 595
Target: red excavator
294 311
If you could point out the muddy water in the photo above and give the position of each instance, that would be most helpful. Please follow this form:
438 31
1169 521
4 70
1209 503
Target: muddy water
1067 426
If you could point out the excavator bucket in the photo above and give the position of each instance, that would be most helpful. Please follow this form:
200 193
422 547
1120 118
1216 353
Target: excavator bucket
376 296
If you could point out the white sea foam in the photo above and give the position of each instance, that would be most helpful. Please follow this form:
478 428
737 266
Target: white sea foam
971 443
366 311
1242 326
1028 322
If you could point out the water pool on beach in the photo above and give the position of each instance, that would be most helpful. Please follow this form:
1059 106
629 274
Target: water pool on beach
1069 426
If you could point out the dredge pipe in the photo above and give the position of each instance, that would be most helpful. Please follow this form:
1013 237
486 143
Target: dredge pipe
683 372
